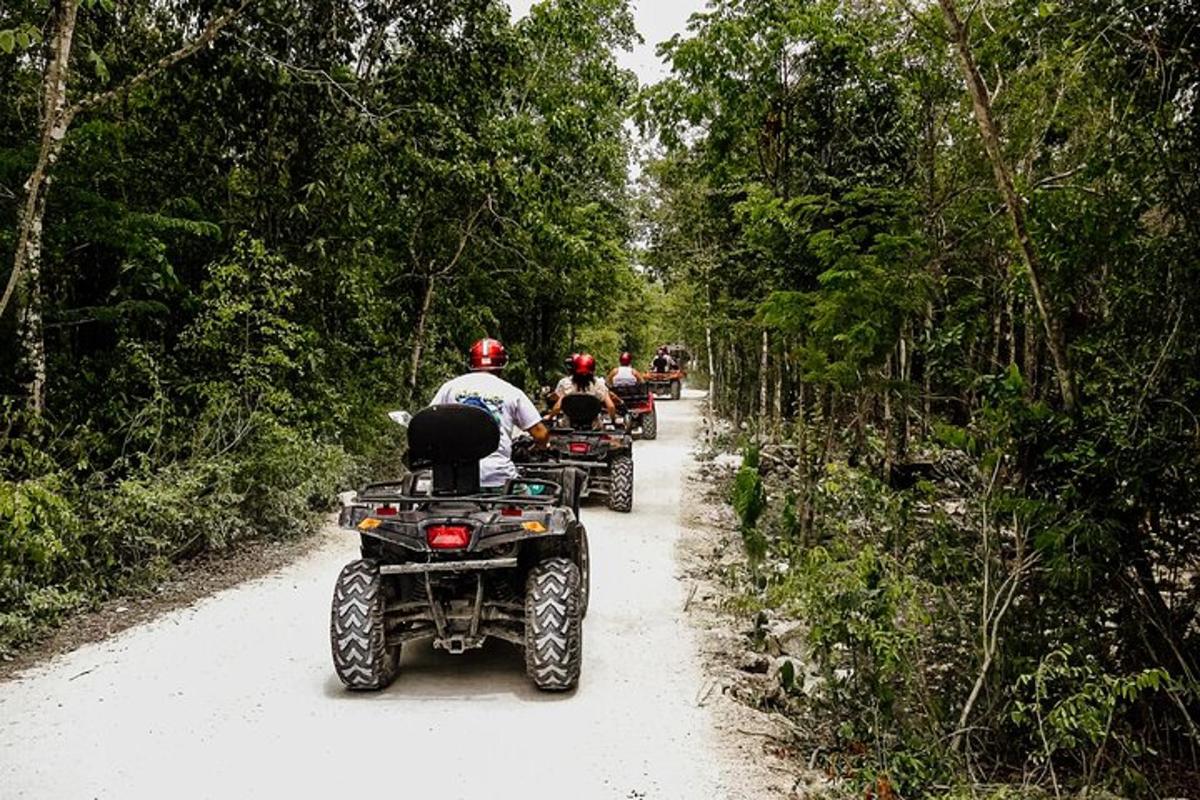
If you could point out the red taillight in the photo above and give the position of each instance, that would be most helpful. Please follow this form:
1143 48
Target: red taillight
448 537
579 447
509 511
385 511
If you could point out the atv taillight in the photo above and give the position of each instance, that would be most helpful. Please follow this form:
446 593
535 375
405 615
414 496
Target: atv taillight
448 537
579 447
385 511
511 511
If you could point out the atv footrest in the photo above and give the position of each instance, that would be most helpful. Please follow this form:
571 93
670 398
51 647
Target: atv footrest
447 566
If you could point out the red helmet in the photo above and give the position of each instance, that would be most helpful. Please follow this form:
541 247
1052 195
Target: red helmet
585 364
488 354
626 359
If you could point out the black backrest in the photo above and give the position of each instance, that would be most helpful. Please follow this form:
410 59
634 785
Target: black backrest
637 392
451 439
581 409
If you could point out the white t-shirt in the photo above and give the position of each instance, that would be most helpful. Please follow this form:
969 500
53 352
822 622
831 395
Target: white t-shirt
624 377
507 404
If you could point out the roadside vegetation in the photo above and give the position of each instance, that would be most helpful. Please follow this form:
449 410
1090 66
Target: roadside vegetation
941 262
236 262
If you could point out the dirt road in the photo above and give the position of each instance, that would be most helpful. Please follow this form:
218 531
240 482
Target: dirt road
236 696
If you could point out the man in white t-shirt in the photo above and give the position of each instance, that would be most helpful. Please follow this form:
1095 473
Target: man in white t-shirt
482 387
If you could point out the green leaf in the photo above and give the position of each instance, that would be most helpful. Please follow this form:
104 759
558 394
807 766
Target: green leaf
7 41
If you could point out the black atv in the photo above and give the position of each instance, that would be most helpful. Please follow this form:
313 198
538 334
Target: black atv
604 455
443 559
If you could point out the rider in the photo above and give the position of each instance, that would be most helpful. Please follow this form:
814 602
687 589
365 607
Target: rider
625 374
583 380
663 361
482 387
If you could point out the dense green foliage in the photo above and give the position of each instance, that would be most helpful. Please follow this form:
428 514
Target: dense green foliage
252 256
999 585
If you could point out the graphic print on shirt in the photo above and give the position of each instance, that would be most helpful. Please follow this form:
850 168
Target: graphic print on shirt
493 404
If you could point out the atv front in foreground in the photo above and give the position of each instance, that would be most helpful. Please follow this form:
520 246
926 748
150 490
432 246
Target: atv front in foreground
443 560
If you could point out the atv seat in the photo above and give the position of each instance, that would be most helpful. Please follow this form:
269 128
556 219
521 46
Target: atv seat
451 440
632 394
581 409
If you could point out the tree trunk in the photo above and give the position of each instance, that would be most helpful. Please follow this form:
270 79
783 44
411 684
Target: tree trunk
1031 367
887 420
777 409
27 258
764 386
982 103
905 379
419 338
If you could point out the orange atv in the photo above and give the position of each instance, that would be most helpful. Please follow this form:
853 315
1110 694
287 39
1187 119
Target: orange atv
668 381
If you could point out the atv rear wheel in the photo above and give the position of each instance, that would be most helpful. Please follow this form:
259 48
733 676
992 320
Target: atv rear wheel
361 655
650 425
675 390
554 625
620 492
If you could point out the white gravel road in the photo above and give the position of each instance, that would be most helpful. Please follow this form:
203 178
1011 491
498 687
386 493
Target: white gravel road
236 697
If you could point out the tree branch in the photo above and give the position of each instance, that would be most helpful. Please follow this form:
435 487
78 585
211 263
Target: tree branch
209 33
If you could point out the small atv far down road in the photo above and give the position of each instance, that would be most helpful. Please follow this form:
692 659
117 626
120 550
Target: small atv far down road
637 403
443 559
666 384
604 455
669 382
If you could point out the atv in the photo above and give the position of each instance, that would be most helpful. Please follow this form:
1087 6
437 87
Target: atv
637 402
442 558
604 455
669 382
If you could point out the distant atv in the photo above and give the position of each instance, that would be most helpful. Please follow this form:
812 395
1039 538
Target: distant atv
604 455
637 401
442 559
669 384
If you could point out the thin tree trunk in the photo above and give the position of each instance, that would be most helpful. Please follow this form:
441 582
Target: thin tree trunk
887 420
777 409
27 258
1012 324
982 103
419 337
1030 368
764 387
926 379
905 378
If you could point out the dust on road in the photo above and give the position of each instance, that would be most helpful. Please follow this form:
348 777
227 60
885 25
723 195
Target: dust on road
236 696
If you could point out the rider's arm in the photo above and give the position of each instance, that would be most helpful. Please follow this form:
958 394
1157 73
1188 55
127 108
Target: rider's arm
540 433
610 405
